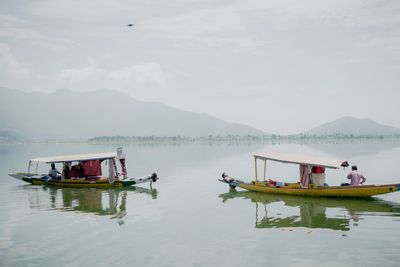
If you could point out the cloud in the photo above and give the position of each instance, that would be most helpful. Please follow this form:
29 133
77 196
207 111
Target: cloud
149 73
10 68
186 24
193 48
238 26
7 20
93 77
252 26
73 76
78 10
15 73
292 14
19 30
214 27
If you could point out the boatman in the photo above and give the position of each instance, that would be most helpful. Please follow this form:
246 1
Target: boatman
53 172
355 177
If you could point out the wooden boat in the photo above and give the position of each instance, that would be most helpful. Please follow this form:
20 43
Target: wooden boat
84 170
306 186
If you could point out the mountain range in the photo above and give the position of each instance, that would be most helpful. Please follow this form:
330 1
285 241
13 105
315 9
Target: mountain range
67 114
350 125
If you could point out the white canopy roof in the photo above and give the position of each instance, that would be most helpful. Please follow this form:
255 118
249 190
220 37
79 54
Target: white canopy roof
77 157
304 160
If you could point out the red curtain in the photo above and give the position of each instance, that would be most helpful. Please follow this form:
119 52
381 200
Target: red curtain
92 168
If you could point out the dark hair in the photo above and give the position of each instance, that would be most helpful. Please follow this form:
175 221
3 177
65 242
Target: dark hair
354 168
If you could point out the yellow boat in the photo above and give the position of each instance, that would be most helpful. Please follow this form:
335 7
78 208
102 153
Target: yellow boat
311 184
83 170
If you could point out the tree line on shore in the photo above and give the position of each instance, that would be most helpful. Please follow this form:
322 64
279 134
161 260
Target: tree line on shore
268 138
237 138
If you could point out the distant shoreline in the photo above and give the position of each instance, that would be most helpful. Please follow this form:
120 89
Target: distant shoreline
228 139
238 138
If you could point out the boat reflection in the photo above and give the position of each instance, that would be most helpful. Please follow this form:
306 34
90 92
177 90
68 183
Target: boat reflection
325 213
102 202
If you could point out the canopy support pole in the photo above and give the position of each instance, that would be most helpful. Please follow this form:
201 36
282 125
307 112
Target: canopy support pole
255 168
265 168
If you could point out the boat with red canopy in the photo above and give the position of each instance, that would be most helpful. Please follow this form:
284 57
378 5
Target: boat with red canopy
98 170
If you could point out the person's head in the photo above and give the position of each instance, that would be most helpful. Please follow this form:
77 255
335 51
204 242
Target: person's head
53 165
354 168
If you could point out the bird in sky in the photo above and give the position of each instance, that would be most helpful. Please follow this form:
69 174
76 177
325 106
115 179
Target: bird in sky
130 25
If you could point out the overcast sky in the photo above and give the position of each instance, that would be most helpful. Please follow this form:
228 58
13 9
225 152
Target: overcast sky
281 66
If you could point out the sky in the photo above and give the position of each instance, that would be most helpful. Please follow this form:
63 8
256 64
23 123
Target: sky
283 66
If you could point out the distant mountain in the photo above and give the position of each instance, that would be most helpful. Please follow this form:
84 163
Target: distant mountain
11 137
351 125
68 114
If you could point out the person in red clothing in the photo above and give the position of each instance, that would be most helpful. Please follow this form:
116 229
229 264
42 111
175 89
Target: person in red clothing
77 171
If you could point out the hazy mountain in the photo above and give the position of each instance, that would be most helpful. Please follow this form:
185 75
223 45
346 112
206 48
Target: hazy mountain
71 114
351 125
11 137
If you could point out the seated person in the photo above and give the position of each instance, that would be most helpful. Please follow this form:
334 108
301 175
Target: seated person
66 173
53 172
77 171
227 179
81 170
355 177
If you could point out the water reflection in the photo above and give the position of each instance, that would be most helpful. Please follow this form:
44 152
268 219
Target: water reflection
102 202
326 213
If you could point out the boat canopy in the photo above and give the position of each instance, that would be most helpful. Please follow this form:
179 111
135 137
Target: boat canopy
77 157
303 160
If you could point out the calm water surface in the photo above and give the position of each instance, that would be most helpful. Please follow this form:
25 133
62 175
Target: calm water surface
188 218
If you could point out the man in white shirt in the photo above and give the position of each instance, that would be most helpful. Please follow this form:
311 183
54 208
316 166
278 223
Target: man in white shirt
355 177
53 172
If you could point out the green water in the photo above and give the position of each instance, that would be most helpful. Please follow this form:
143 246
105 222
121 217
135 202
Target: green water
188 218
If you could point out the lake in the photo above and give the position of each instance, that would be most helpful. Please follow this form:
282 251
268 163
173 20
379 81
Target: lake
188 218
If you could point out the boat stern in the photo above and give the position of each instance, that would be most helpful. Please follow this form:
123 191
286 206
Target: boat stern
152 178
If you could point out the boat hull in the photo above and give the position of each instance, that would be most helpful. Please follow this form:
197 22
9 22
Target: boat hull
326 191
81 183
